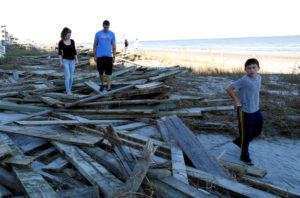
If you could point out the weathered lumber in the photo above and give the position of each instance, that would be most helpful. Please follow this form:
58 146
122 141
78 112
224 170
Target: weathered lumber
244 169
25 117
276 190
17 157
91 170
149 85
86 192
166 191
112 111
65 96
52 102
91 98
17 107
4 192
8 94
140 169
178 164
33 183
129 102
158 173
9 180
164 75
4 149
57 165
36 165
44 153
79 139
184 188
108 160
131 126
68 122
123 71
226 185
93 86
196 152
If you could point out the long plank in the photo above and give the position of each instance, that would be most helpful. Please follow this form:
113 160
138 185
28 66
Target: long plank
69 122
18 157
17 107
94 172
52 102
178 164
9 180
164 75
57 165
4 192
4 149
33 183
91 98
234 188
184 188
70 138
86 192
196 152
140 169
25 117
149 85
93 86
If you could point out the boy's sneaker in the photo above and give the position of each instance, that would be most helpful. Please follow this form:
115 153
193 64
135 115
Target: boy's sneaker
101 88
247 161
108 89
237 142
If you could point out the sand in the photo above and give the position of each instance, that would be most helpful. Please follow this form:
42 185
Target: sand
271 62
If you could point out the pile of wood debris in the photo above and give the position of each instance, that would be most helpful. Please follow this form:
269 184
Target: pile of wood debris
128 142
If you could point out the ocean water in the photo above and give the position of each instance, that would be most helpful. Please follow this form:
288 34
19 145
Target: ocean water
268 44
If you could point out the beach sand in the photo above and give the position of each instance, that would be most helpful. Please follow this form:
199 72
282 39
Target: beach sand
227 61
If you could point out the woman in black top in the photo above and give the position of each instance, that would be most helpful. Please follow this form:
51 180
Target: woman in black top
67 57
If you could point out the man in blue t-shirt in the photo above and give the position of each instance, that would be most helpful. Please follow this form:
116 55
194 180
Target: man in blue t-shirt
250 117
104 53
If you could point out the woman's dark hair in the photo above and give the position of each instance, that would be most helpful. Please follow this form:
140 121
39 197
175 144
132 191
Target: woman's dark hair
64 32
251 61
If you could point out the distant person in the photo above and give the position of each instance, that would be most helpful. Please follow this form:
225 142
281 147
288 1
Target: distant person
67 57
104 47
249 115
136 44
125 46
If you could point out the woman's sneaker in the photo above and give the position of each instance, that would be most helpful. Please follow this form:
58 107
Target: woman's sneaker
247 161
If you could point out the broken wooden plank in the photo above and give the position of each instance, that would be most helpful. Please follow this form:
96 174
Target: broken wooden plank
140 169
149 85
27 144
264 186
108 160
52 102
112 111
33 183
36 165
4 149
131 126
164 75
17 158
184 188
57 165
91 98
69 138
8 94
9 180
44 153
196 152
69 122
244 169
65 96
178 163
25 117
232 187
86 192
93 86
158 173
17 107
94 172
4 192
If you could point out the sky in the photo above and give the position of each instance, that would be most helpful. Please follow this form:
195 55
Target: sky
43 20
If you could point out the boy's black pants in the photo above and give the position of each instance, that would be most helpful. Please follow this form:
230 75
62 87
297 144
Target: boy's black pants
250 126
